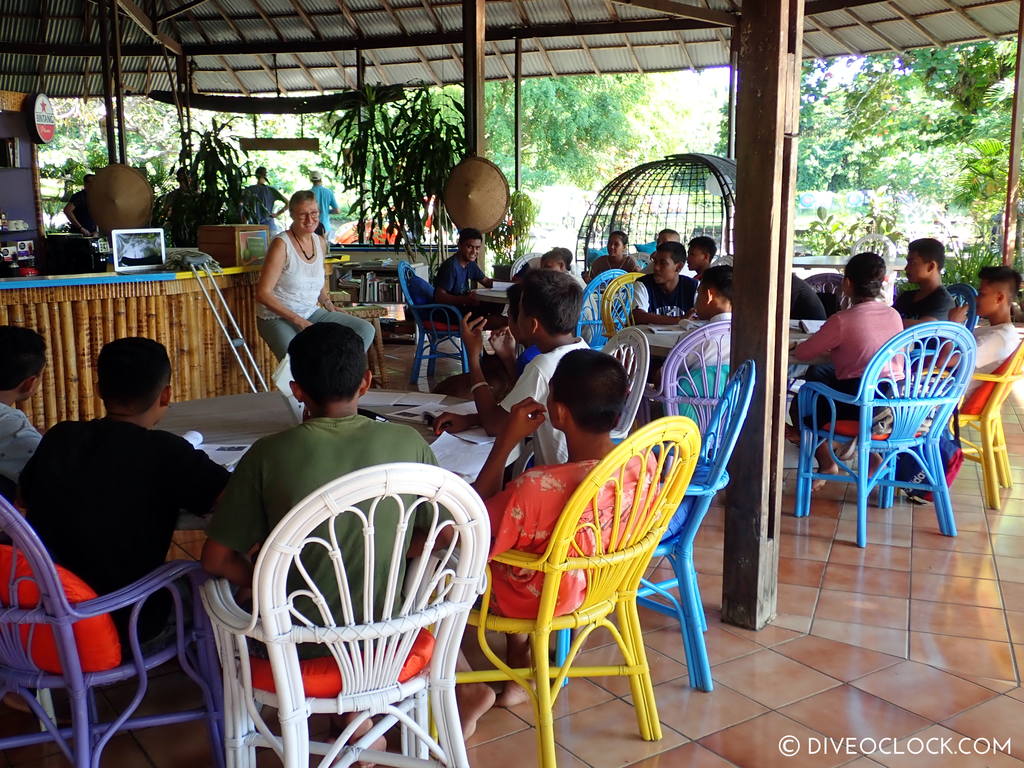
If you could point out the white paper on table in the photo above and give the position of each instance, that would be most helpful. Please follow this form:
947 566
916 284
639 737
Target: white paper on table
378 397
477 436
811 326
417 398
416 412
665 328
460 456
225 455
498 285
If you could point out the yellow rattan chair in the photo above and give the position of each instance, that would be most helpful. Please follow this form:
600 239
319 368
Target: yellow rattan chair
617 303
981 413
622 550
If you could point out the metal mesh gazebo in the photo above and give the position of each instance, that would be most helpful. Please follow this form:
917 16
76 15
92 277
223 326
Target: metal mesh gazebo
692 194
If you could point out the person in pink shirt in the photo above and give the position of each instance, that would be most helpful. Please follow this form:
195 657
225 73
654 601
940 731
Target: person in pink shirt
850 338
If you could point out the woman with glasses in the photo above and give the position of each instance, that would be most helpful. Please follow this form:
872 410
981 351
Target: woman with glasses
292 291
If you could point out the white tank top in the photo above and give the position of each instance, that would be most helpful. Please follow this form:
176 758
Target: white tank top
301 281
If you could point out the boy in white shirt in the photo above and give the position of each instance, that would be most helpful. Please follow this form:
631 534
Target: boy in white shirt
549 309
22 356
997 288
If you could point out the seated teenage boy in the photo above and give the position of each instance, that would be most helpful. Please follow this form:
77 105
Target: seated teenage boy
22 356
931 301
665 295
804 302
700 252
331 374
104 495
587 392
549 309
997 290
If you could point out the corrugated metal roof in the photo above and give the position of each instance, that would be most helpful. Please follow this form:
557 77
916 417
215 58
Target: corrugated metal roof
254 36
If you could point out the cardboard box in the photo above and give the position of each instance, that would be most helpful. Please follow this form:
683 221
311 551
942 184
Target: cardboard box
232 245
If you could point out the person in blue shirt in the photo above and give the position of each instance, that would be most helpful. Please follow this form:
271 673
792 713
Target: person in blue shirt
665 296
267 198
326 202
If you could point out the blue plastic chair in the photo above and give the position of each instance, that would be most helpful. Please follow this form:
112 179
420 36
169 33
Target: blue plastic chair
680 596
435 324
962 294
590 326
938 361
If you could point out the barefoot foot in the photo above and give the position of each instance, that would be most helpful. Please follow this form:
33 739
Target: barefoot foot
512 695
819 482
474 700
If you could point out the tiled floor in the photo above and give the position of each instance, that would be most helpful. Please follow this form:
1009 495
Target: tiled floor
918 639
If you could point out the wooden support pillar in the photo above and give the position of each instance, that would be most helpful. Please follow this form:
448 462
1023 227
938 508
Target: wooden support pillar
103 17
1013 171
360 84
518 124
473 21
767 123
115 18
734 55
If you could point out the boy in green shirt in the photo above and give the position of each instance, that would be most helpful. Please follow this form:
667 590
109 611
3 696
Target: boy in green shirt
330 370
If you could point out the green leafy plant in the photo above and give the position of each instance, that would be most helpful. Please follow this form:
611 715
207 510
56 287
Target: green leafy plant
213 190
511 239
962 266
981 184
398 148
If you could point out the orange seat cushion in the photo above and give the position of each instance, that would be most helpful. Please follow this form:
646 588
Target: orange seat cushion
851 428
321 678
976 401
436 325
99 647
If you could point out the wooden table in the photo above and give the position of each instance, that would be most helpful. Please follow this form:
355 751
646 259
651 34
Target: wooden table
375 354
492 295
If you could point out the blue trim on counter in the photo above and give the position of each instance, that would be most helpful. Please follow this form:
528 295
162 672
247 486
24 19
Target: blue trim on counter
99 278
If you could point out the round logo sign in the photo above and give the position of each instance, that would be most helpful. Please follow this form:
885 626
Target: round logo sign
42 122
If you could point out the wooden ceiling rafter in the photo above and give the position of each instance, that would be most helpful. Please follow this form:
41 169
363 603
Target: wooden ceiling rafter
147 25
583 42
440 28
914 23
44 25
223 62
829 33
86 37
614 14
272 73
416 49
963 14
167 15
259 59
497 54
350 19
683 10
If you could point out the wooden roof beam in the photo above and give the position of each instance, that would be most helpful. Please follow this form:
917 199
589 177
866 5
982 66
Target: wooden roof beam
962 13
416 49
142 19
259 59
687 11
521 12
825 6
166 15
350 19
440 28
832 36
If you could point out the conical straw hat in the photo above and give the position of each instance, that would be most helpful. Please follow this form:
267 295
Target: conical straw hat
120 198
476 194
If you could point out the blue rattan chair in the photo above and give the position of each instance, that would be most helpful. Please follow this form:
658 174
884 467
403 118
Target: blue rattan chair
591 327
938 361
49 640
962 294
436 324
680 596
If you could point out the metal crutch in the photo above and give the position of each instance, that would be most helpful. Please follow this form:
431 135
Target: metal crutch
200 266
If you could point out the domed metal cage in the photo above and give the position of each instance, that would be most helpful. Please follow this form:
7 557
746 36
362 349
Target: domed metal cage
692 194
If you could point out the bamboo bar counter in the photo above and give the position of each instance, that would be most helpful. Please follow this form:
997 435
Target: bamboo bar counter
78 314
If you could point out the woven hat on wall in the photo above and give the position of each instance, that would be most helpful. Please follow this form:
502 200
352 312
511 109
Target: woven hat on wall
120 198
476 194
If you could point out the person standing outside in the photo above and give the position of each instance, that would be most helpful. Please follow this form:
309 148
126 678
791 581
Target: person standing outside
266 197
326 201
77 210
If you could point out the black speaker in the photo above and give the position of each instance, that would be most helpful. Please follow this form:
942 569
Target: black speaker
73 255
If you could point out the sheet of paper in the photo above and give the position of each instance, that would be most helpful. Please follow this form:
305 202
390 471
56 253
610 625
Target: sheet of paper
811 326
476 436
415 398
464 458
498 285
665 329
378 397
225 455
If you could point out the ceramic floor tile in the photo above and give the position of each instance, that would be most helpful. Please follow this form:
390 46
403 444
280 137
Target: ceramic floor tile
805 573
900 514
767 637
804 547
881 639
662 667
696 713
607 735
1010 525
984 658
496 724
772 679
812 525
1000 718
875 556
957 589
853 607
182 744
721 645
1010 568
1015 621
1010 546
878 533
966 519
839 660
755 744
687 756
796 600
847 711
924 690
953 563
579 695
976 542
869 581
707 560
1013 595
925 750
959 620
519 749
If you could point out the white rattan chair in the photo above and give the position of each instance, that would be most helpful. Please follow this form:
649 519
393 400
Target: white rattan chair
369 645
631 348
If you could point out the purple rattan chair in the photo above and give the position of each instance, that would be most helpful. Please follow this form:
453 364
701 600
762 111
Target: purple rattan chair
84 740
694 375
829 286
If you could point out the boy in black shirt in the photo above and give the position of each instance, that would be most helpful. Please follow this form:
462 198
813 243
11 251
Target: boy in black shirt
104 495
931 301
665 296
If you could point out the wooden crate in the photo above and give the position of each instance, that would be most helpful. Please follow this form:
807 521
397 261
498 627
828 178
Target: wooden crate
223 243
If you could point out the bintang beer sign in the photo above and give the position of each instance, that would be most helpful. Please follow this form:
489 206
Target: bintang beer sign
42 124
